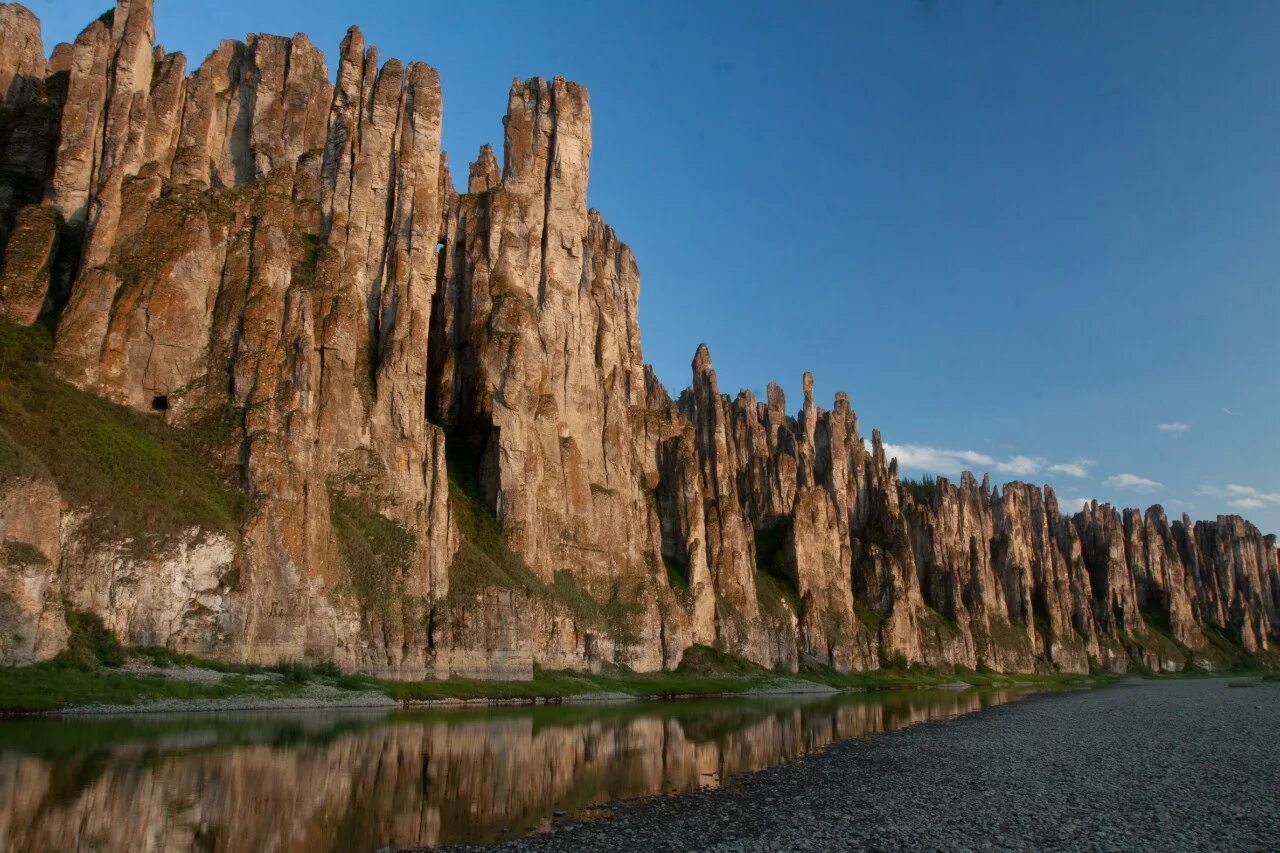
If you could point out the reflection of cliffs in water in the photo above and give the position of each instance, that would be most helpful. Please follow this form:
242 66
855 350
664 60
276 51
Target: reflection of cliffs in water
339 783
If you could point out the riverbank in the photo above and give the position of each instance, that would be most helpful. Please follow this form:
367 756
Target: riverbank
1166 764
114 681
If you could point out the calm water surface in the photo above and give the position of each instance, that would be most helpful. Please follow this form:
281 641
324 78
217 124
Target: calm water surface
360 781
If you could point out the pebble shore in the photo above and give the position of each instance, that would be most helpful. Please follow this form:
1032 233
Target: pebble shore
1165 765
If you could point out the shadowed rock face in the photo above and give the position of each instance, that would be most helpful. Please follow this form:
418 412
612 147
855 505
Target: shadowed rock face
394 367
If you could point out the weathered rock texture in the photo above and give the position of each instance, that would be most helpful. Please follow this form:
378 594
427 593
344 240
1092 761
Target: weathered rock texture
437 403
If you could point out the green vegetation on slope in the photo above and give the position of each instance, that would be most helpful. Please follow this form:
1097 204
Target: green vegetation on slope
704 671
50 686
677 574
484 561
868 616
374 549
775 583
90 672
145 480
1157 639
483 558
87 672
89 643
900 676
1230 655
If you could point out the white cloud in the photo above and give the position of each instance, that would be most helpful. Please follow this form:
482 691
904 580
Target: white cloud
1173 426
1131 481
1022 466
1078 468
1250 492
942 460
1072 505
922 457
1244 497
1241 497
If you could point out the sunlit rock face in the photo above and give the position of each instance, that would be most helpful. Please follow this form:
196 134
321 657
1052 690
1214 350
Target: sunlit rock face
32 626
436 405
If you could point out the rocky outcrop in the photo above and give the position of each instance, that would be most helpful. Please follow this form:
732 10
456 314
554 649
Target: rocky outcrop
32 625
551 367
437 408
1235 570
28 264
30 103
731 554
22 66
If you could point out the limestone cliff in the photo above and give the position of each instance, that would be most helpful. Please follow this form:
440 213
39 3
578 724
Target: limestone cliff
428 442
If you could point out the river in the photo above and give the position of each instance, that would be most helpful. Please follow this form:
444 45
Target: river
337 780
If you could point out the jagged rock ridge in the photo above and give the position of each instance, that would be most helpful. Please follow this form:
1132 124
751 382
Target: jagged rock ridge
395 373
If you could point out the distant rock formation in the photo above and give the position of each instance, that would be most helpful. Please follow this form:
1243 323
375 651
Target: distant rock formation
399 373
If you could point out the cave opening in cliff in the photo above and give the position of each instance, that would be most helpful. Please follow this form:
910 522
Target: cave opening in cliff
160 403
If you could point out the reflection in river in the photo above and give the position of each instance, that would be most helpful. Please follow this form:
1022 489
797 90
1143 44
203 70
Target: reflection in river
342 781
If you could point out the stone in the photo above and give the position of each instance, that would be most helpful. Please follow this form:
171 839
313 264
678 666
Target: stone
22 66
28 262
437 402
29 123
32 627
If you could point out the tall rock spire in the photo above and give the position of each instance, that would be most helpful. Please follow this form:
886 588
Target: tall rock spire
436 404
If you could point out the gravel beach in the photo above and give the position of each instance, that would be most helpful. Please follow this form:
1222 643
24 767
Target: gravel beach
1167 765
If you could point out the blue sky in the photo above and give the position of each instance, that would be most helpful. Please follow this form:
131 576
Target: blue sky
1021 236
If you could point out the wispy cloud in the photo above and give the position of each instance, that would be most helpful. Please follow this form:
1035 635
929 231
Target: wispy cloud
1173 426
1250 492
1021 466
1073 504
922 457
942 460
1078 468
1241 497
1131 481
1231 412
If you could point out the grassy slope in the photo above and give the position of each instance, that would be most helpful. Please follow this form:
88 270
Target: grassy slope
87 673
484 561
47 687
144 479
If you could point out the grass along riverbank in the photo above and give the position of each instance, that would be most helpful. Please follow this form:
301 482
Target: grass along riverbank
97 672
